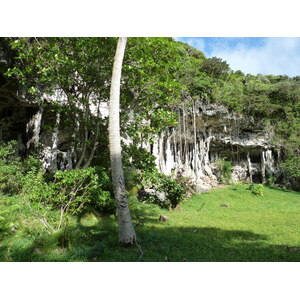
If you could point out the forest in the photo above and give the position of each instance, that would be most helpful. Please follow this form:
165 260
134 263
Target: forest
144 149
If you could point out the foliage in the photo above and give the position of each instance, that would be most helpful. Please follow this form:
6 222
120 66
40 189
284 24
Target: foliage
292 166
186 183
249 229
256 189
158 74
231 94
224 167
138 158
51 63
70 191
10 168
173 190
13 169
270 180
215 67
142 176
151 87
74 73
7 213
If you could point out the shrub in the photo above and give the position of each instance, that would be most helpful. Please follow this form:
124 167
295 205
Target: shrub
143 178
10 168
224 168
70 191
270 180
256 189
187 184
10 207
292 166
175 189
13 169
138 158
101 199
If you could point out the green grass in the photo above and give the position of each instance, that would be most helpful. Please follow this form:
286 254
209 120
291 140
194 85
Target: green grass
250 228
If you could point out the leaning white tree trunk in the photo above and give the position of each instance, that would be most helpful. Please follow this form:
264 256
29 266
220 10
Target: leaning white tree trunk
126 230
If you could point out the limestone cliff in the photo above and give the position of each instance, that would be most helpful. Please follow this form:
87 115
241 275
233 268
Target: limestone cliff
208 132
205 133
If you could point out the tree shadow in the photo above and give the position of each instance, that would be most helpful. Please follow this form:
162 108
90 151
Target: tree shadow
159 243
282 189
211 244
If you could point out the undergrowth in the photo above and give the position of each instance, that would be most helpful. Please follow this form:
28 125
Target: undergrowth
247 228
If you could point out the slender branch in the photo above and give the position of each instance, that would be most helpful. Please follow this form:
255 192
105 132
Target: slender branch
85 137
88 162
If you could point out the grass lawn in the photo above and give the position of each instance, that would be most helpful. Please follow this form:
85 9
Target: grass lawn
248 228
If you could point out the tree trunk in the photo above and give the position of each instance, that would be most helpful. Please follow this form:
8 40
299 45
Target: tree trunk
126 231
95 144
195 146
55 143
85 140
34 125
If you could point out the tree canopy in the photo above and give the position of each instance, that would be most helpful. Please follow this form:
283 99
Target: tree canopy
158 73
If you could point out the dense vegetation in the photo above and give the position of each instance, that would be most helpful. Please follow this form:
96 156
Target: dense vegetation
159 75
226 224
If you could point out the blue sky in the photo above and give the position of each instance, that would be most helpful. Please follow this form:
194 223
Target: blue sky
274 55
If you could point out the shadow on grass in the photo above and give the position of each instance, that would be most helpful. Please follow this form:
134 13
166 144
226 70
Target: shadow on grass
211 244
282 189
164 243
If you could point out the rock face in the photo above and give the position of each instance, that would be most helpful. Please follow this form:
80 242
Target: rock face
205 133
208 132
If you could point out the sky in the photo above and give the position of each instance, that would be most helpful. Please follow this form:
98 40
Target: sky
272 55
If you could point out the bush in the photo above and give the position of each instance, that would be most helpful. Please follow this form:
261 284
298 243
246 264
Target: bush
10 208
154 185
256 189
292 166
187 184
174 191
101 199
143 180
138 158
224 168
69 190
13 169
72 192
270 180
10 168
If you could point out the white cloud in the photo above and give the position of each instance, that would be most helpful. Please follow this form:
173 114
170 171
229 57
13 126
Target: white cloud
277 56
197 43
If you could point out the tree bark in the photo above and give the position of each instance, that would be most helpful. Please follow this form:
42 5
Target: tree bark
55 143
195 145
85 140
126 230
35 125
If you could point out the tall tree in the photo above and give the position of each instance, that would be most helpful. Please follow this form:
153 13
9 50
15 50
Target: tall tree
126 230
71 73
